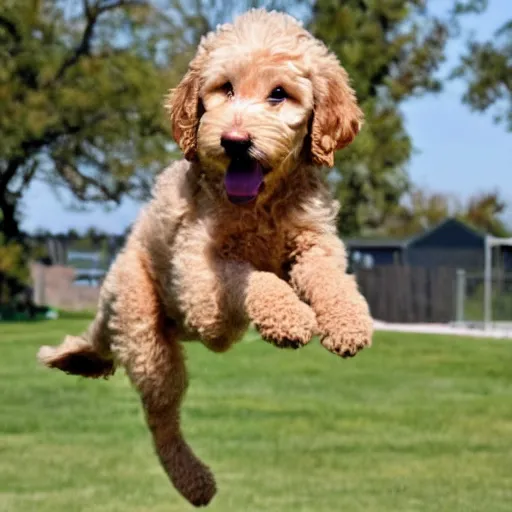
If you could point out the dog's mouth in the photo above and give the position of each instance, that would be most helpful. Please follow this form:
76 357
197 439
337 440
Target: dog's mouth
244 180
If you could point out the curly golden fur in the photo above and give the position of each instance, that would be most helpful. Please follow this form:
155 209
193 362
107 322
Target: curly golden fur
197 266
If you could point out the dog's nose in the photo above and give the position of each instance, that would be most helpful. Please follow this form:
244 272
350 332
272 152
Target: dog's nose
235 143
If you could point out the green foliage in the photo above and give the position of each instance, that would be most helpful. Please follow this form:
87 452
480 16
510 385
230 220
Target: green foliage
14 277
418 211
391 49
469 7
484 212
422 209
80 98
13 260
15 295
486 67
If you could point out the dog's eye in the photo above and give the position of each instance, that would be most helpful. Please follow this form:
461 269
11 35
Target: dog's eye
227 89
278 95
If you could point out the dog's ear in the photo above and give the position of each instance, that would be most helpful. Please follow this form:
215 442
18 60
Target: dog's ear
337 118
183 105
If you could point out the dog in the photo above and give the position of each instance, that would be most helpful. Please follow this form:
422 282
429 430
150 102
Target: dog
242 230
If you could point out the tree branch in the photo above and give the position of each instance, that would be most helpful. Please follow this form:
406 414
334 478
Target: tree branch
11 28
84 46
109 6
79 184
30 146
9 172
25 180
92 14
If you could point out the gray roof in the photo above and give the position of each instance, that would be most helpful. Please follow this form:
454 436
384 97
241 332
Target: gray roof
385 243
390 243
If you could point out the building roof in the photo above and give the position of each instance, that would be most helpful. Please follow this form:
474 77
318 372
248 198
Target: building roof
385 243
389 243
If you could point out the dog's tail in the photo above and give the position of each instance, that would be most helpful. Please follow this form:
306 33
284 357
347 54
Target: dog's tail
78 356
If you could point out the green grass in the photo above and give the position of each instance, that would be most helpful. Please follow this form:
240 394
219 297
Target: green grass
417 423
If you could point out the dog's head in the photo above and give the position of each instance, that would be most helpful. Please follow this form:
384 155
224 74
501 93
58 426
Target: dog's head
260 96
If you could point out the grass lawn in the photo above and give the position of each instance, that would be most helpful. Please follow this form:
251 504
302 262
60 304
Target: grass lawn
417 423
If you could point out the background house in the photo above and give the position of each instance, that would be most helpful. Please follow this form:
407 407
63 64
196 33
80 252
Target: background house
416 279
451 244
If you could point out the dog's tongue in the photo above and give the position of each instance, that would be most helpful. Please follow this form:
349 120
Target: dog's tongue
243 180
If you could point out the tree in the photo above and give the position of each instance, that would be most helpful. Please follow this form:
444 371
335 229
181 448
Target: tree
419 210
422 209
484 212
391 49
487 69
81 89
12 260
78 96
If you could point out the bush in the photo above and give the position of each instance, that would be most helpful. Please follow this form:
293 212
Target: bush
13 260
15 292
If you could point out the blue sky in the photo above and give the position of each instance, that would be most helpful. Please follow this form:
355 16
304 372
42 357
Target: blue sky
457 151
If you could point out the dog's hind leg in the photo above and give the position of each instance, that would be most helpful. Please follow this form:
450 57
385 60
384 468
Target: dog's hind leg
145 343
156 367
87 355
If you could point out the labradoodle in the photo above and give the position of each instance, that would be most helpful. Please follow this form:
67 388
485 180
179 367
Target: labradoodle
241 231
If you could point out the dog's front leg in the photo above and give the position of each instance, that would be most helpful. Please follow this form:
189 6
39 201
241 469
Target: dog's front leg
209 295
279 315
218 298
319 277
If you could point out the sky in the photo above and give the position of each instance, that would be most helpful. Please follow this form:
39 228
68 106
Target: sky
456 151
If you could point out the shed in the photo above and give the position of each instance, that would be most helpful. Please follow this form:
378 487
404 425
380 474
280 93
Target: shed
450 244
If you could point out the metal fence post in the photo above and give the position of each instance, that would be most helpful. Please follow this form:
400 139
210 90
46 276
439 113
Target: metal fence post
460 295
39 283
488 283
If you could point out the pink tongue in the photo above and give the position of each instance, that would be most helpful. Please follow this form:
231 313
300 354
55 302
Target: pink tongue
243 180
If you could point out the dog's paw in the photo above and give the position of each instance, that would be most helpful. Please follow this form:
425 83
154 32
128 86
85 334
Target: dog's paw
347 344
291 327
193 480
200 490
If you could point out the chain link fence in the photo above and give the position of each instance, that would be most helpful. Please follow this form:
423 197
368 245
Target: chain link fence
470 298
